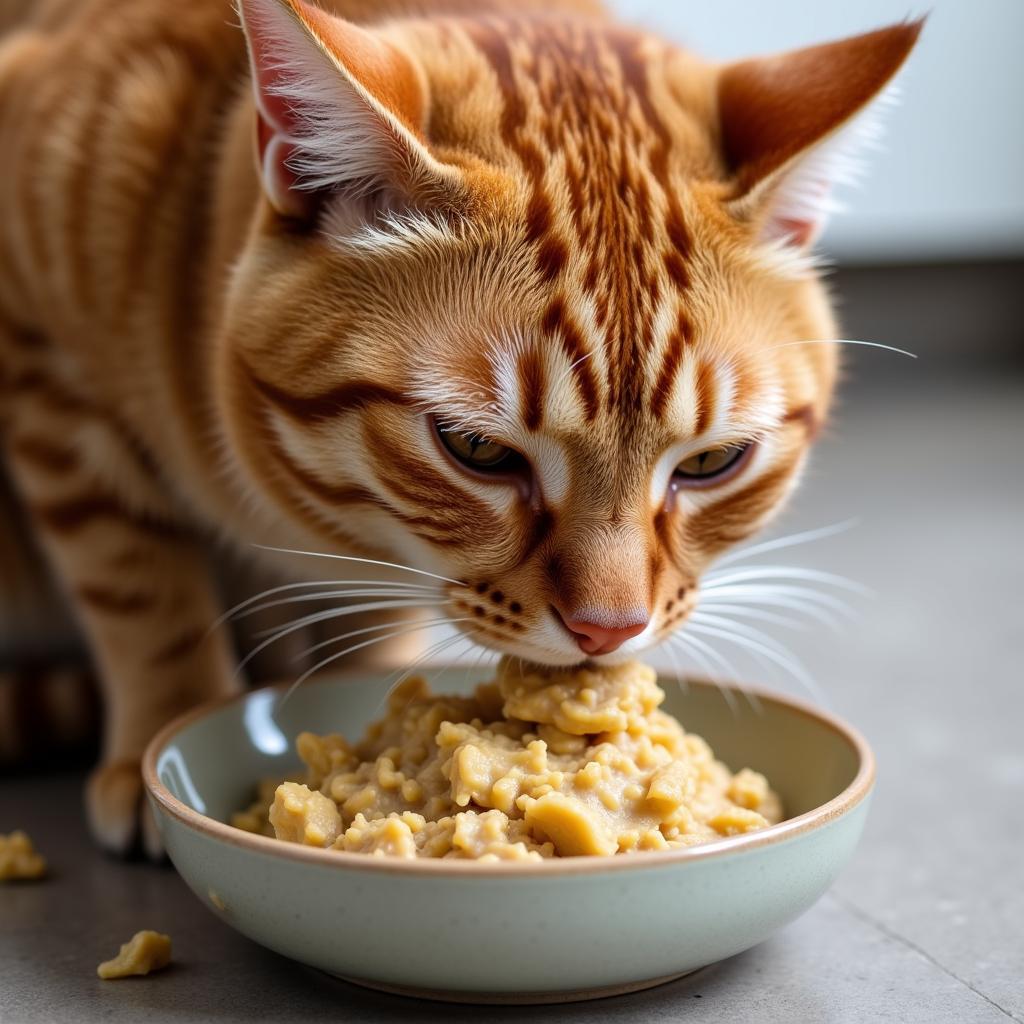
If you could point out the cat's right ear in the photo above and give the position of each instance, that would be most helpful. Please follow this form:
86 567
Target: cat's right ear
339 111
791 126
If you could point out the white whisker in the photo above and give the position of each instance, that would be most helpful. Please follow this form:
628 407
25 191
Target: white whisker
340 611
702 614
476 665
450 664
702 652
323 595
670 650
351 650
361 632
801 605
364 561
790 540
713 581
766 593
791 665
311 583
845 341
307 620
402 674
572 366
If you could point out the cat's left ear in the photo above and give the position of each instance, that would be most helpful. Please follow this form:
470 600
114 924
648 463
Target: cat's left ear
791 125
339 110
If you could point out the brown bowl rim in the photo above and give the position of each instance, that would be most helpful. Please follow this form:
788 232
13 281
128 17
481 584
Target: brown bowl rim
819 817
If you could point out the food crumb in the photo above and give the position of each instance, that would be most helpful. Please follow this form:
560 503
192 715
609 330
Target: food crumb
19 860
216 899
539 763
146 951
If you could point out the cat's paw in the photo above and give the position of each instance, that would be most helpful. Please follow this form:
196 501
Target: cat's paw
119 816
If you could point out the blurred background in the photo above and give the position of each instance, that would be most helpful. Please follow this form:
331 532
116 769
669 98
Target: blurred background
923 463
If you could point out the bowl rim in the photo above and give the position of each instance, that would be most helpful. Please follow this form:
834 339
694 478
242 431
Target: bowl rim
819 817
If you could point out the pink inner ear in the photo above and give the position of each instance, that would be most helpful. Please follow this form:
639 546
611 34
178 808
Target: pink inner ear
275 125
794 232
280 181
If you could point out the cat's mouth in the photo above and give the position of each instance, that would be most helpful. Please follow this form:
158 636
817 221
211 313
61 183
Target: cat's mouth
501 623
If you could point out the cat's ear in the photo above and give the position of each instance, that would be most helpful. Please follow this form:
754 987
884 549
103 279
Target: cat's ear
339 110
791 126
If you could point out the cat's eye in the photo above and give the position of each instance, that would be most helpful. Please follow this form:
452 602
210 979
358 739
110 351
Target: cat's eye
711 466
480 453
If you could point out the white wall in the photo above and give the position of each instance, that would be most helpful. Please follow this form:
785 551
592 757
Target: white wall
949 181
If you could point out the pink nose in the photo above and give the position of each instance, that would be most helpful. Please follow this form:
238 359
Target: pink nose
599 637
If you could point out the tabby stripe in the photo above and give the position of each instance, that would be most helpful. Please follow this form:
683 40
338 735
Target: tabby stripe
745 386
573 179
43 389
121 602
32 199
78 191
666 535
551 254
44 455
185 643
413 480
70 516
138 250
330 494
634 71
805 415
541 528
712 524
557 321
705 396
531 388
29 341
258 419
337 401
669 368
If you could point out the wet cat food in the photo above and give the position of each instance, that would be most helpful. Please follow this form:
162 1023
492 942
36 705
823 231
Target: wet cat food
19 859
144 952
539 763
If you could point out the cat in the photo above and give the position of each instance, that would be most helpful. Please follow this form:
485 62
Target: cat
507 293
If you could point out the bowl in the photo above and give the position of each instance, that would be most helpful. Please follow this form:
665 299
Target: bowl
561 929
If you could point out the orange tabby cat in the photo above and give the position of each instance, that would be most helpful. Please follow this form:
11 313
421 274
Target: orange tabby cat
505 295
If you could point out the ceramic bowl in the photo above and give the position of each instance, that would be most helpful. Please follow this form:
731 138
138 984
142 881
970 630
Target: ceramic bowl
576 927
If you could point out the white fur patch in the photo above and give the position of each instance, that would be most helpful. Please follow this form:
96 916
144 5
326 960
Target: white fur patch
805 193
343 136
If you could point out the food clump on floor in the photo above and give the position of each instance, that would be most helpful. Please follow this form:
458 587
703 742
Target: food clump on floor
19 859
144 952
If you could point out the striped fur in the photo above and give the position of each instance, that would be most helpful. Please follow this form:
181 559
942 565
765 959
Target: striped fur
523 219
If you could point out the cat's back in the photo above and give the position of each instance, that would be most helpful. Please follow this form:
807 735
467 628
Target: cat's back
105 105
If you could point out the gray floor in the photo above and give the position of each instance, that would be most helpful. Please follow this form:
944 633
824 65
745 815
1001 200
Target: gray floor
925 925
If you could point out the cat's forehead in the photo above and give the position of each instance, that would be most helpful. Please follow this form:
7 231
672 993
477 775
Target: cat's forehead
608 135
527 92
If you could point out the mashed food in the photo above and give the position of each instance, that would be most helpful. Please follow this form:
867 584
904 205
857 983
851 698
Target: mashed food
19 859
550 763
144 952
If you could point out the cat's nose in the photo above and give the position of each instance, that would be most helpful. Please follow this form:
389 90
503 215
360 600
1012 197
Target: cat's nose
603 632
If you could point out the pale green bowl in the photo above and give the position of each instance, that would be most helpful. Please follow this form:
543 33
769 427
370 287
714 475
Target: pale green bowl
572 928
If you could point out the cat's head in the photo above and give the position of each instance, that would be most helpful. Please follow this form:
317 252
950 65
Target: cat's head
523 305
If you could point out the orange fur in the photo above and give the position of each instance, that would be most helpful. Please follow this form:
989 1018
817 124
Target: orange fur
544 227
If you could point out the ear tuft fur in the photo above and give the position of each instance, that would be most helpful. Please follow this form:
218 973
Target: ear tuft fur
339 110
797 124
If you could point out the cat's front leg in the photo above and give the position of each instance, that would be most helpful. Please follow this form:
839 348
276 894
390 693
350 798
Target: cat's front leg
139 583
